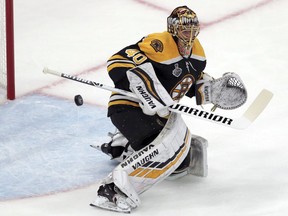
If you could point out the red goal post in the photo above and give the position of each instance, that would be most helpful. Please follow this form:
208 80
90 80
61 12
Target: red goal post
7 68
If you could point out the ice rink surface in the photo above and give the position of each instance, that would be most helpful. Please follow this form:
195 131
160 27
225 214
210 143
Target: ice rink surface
47 167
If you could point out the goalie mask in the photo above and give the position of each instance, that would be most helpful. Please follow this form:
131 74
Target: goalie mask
183 23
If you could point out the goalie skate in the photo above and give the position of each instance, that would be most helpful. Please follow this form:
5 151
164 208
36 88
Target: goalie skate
111 199
104 203
117 148
98 145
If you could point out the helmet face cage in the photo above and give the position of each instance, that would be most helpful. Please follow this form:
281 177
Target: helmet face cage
183 23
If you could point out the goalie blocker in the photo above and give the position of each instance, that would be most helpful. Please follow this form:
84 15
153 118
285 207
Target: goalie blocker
153 96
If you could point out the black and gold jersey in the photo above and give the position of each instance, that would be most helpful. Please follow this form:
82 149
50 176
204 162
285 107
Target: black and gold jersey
176 73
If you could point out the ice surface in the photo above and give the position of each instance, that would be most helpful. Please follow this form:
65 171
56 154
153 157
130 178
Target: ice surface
49 150
44 137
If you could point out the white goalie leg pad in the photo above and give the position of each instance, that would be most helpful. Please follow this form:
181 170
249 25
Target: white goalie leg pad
198 165
155 162
121 180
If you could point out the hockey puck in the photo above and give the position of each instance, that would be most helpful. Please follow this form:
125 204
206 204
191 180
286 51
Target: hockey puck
78 100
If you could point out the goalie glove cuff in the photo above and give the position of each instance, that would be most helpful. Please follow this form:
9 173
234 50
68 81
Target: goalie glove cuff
203 92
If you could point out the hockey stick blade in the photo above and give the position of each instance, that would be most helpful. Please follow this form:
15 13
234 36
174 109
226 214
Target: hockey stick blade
254 110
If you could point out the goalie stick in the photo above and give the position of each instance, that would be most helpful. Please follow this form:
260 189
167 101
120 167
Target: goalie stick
253 111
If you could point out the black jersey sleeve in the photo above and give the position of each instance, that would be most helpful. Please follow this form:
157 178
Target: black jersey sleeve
121 62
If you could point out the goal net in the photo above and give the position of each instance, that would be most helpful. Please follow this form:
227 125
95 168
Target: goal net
7 86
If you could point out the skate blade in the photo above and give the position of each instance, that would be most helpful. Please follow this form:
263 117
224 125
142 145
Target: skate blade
111 207
96 146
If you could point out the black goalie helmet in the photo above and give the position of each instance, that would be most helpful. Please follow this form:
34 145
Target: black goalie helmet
183 23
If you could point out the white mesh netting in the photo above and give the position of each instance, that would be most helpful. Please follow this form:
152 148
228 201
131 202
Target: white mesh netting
228 92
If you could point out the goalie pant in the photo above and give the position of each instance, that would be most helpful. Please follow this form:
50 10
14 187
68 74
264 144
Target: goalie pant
153 163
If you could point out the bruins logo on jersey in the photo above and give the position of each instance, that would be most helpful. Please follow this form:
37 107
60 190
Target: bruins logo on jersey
157 45
182 87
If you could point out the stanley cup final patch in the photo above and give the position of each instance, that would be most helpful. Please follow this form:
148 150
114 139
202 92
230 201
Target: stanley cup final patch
177 71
